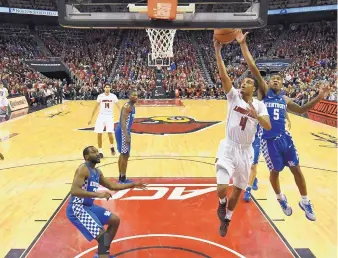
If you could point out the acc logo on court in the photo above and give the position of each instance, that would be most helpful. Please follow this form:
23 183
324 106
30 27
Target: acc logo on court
161 125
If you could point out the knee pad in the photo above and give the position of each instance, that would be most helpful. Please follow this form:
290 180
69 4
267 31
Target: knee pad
104 243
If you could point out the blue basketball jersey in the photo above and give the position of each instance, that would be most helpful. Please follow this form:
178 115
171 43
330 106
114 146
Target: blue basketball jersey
276 107
91 184
130 118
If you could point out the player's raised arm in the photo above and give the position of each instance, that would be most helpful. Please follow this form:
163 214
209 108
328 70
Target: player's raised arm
226 81
294 107
116 187
262 87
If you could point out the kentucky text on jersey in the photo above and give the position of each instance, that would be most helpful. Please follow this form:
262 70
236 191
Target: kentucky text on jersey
276 106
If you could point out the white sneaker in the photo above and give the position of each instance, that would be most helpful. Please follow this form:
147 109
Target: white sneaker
308 208
285 206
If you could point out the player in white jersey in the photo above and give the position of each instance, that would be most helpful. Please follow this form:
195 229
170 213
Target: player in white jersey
3 99
105 119
235 152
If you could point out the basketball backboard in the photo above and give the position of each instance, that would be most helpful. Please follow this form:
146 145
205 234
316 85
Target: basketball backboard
195 14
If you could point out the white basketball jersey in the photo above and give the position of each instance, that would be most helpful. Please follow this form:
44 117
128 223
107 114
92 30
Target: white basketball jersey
107 103
241 127
3 93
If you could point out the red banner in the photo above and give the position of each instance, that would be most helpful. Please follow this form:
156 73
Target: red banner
325 112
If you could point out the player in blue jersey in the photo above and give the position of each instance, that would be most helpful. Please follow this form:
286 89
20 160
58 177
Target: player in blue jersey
277 144
123 135
87 217
256 145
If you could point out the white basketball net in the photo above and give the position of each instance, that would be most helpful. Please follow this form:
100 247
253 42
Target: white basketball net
162 41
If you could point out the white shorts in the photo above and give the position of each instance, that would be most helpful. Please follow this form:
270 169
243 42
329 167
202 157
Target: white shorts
104 121
234 161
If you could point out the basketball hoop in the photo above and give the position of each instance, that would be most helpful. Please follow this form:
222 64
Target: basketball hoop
162 41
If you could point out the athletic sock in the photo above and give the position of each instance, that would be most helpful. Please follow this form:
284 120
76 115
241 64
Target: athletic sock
100 150
305 199
228 214
280 196
222 201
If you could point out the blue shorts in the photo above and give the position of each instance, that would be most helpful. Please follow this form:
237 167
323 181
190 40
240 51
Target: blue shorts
122 146
89 220
280 152
256 145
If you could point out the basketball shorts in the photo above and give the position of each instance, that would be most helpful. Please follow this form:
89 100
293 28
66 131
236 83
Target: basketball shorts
280 152
122 146
235 162
103 121
89 220
256 145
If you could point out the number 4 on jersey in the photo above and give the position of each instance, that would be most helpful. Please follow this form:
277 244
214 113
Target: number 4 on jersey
106 105
243 121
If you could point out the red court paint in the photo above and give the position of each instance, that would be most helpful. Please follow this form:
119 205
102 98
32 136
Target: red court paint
173 218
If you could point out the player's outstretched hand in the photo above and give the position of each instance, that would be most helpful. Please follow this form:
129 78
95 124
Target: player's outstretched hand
324 90
217 45
2 157
252 110
104 195
241 38
140 185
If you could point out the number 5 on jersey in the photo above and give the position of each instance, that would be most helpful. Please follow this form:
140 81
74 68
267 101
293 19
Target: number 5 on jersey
276 114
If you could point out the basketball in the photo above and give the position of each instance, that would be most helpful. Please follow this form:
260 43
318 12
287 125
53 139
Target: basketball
225 35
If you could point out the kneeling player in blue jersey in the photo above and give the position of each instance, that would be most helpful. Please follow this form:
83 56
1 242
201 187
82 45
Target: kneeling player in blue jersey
87 217
277 144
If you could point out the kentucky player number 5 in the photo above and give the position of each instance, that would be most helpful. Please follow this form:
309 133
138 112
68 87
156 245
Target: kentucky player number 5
276 114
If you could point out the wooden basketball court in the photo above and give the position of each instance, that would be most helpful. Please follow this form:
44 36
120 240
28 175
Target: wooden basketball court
173 147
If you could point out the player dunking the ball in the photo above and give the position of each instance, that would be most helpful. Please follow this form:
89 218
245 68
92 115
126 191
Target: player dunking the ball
277 144
253 181
87 217
235 153
106 101
123 135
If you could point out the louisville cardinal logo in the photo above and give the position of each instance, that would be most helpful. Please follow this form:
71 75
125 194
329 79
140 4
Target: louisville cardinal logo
161 125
